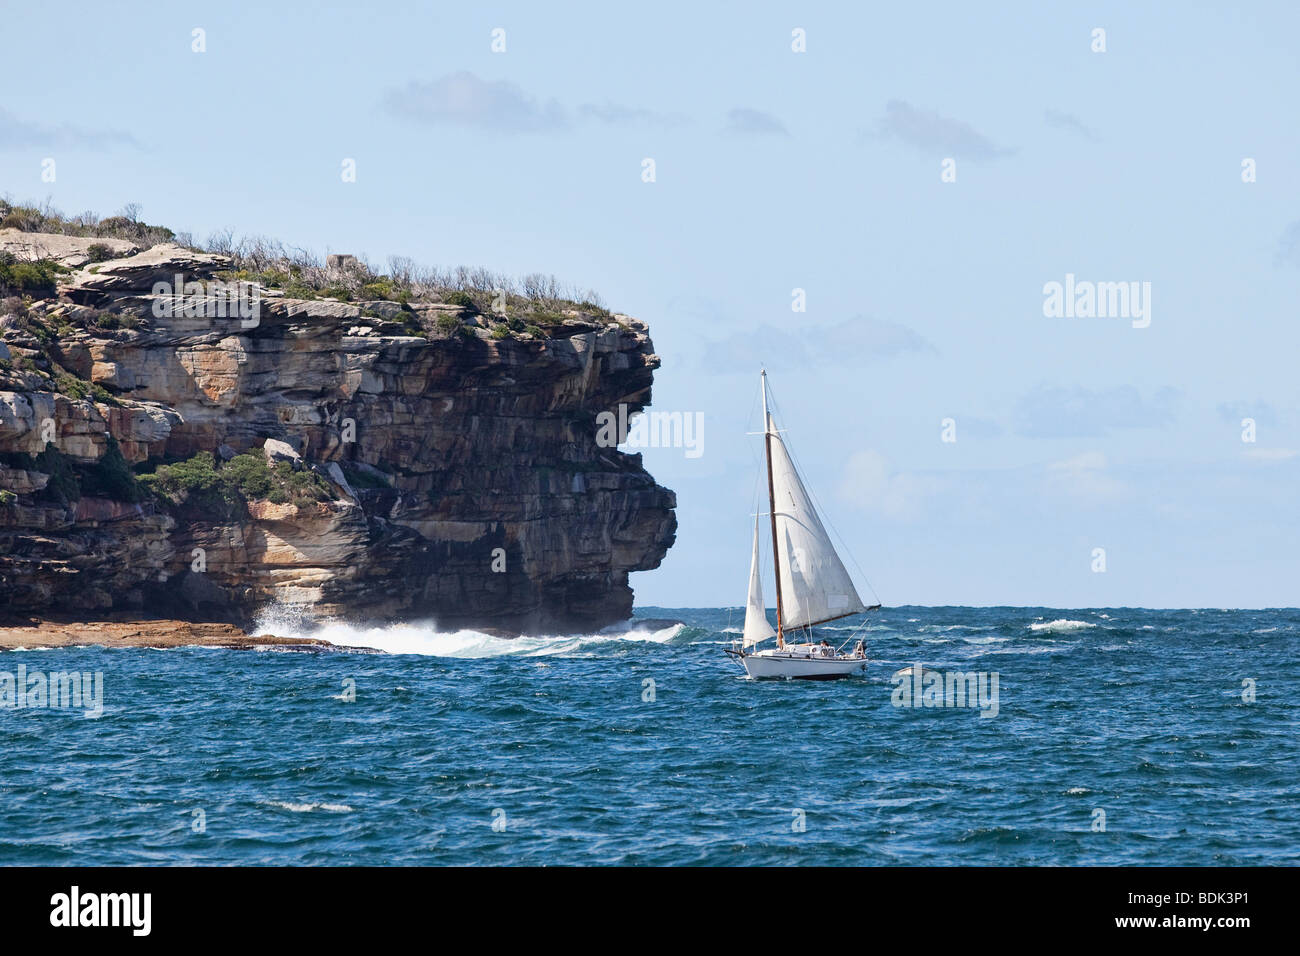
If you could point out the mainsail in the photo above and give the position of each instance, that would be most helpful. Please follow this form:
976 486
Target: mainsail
815 586
757 627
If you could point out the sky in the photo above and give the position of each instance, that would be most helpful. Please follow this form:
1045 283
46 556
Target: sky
822 170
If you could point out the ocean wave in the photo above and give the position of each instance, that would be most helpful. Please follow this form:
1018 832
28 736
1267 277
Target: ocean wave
309 807
426 640
1060 625
1041 649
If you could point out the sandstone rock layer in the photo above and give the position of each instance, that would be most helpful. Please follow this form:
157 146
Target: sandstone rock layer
467 483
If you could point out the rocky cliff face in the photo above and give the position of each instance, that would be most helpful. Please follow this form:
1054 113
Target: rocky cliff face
461 474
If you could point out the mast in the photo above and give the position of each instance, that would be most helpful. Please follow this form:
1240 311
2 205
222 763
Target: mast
771 501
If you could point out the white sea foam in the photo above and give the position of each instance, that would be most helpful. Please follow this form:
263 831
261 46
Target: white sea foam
425 639
309 807
1060 625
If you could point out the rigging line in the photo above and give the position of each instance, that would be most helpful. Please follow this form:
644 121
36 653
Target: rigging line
822 510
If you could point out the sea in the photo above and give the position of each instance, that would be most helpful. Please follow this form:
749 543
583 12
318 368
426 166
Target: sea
1032 736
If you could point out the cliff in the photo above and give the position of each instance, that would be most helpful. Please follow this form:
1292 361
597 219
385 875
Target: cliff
372 459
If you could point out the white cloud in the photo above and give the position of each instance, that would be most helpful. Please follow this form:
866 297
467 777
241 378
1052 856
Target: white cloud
747 122
863 337
940 135
16 133
466 100
463 99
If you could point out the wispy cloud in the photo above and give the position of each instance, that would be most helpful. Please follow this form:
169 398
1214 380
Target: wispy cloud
747 122
1057 411
927 130
468 101
613 114
863 336
17 133
1070 122
463 99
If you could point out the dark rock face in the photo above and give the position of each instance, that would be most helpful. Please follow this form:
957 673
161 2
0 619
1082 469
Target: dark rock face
467 484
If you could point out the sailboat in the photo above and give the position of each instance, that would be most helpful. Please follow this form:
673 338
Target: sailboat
812 584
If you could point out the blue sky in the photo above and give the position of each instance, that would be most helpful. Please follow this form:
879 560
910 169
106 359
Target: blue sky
778 170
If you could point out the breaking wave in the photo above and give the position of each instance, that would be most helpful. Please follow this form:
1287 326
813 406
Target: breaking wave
425 638
1060 626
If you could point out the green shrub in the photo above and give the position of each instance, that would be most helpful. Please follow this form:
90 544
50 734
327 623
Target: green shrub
78 388
448 323
247 477
251 476
31 277
99 252
191 478
7 498
111 477
462 299
64 487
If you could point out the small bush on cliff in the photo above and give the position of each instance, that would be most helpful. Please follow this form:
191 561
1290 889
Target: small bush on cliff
7 498
254 480
111 477
64 487
201 482
462 299
78 388
35 278
192 480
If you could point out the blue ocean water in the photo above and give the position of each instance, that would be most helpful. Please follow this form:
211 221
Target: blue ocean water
465 749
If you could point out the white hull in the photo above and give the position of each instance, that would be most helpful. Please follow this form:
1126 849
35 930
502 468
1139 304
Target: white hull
780 665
